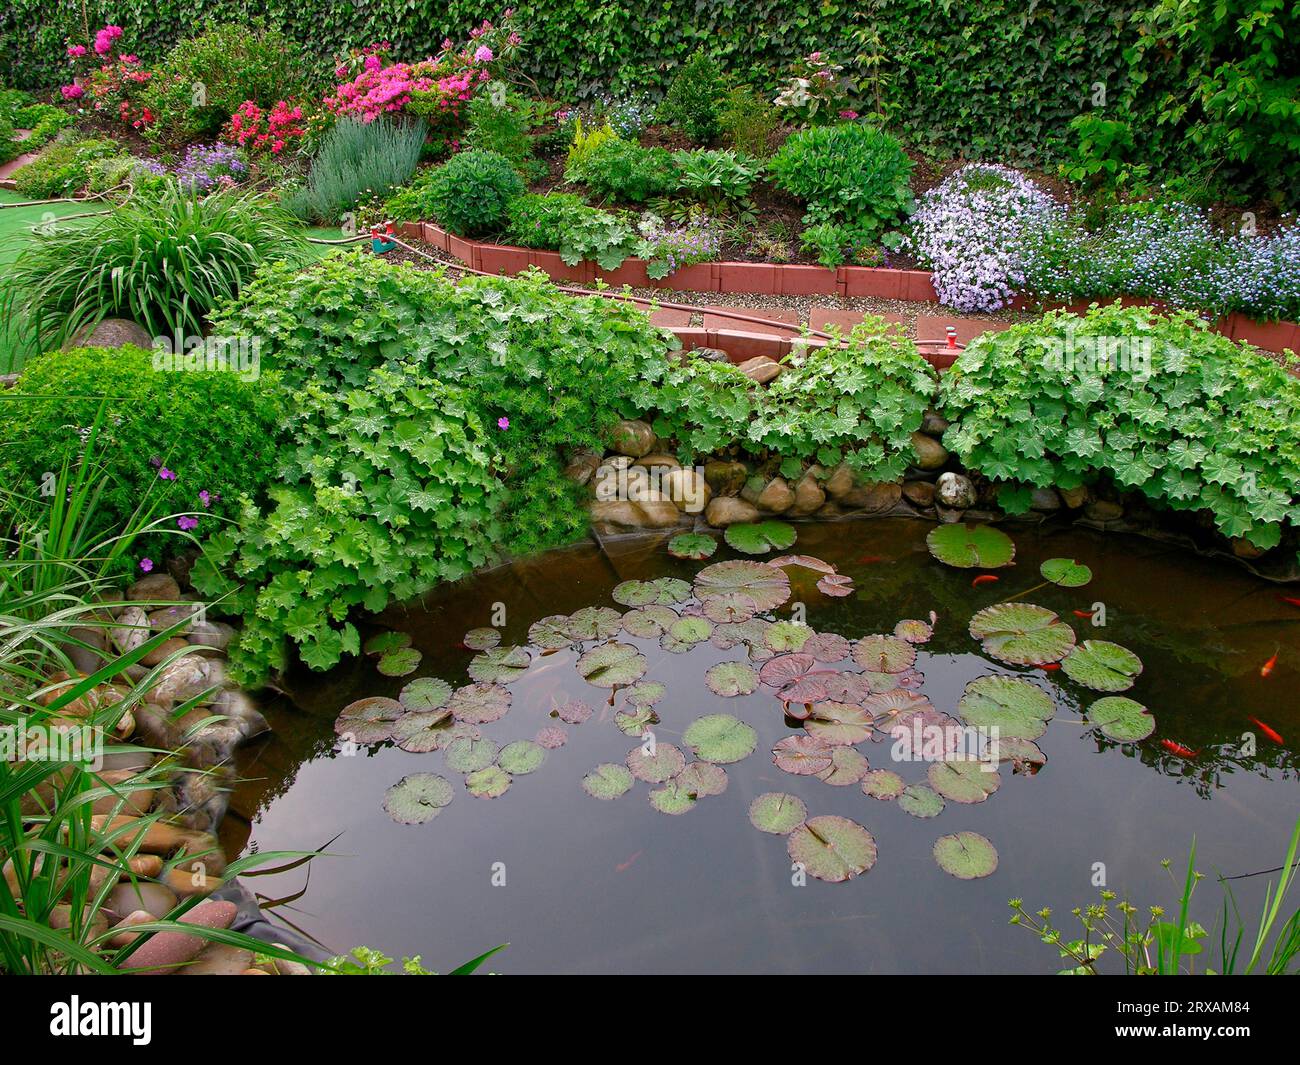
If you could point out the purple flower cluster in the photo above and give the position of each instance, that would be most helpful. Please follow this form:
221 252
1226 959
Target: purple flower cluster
676 245
208 166
971 229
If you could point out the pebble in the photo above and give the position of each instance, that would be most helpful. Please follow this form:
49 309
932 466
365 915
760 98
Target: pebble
1103 510
729 510
156 587
930 454
164 952
919 492
761 369
776 497
633 438
955 490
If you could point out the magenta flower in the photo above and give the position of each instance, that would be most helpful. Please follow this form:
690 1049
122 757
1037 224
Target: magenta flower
76 51
185 523
205 497
483 54
503 423
146 564
166 475
72 92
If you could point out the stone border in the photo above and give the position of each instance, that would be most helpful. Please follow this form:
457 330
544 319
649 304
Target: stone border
786 279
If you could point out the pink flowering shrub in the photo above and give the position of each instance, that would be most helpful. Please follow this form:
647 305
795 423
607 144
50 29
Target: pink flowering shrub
816 91
260 130
108 80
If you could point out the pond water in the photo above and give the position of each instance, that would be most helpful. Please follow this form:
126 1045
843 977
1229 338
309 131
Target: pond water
618 886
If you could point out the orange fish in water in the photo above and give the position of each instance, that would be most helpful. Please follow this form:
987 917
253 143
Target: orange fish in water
623 867
1179 749
983 578
1267 667
1050 666
1289 599
1083 613
1271 733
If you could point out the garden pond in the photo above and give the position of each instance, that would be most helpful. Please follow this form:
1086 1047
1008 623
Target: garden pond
675 876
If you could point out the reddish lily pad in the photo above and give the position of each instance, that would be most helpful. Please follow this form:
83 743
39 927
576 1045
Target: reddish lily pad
839 724
571 711
729 609
666 762
884 654
732 678
836 585
594 623
551 737
479 704
702 779
768 587
826 647
848 766
806 561
421 731
913 630
777 813
967 781
369 720
966 855
802 755
648 622
551 633
832 848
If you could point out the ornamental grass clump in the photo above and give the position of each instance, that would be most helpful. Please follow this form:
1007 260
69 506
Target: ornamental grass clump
971 230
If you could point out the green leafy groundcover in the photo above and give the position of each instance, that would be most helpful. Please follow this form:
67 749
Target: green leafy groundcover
1160 405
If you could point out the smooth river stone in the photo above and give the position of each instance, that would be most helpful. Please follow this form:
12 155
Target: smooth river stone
165 951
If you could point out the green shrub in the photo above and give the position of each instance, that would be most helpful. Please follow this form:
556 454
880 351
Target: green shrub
694 98
215 431
561 222
720 180
470 193
62 169
833 244
360 343
748 122
846 173
356 158
45 123
585 141
164 259
624 171
502 126
1161 405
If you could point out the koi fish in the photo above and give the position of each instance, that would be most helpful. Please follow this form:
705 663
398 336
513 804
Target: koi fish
1289 599
1049 666
1178 749
1271 733
983 578
1083 613
623 867
1267 667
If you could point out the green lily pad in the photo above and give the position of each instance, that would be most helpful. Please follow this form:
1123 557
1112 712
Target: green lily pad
666 762
649 621
417 798
400 663
369 720
612 665
729 609
551 633
697 546
969 546
421 731
635 593
549 738
1066 572
685 633
838 724
882 784
782 636
720 738
383 642
646 693
1022 634
670 591
1025 756
469 755
702 779
672 799
848 766
732 678
425 693
760 537
1102 666
520 757
967 781
483 639
500 665
806 561
635 722
966 855
768 587
884 654
1122 719
490 782
607 781
742 633
594 623
921 800
803 756
777 813
480 704
832 848
1016 707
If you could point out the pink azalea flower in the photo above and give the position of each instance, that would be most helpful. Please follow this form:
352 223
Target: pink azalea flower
72 92
483 54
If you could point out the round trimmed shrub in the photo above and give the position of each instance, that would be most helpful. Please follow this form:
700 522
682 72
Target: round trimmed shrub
471 192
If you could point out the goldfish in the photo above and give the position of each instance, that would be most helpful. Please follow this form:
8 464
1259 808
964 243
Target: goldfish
1050 665
1179 749
1271 733
1289 599
623 867
1267 667
983 578
1083 613
871 558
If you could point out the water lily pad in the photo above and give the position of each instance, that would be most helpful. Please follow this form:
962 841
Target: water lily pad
768 587
520 757
856 687
803 756
806 561
425 693
747 633
491 782
612 665
1016 707
720 738
649 621
914 630
479 704
1022 634
469 755
836 585
884 654
697 546
417 798
969 546
780 672
672 799
1121 718
921 800
1025 756
551 633
702 779
666 762
550 737
483 639
1102 666
729 609
607 781
826 647
838 724
760 537
777 813
882 784
1066 572
782 636
967 781
594 623
421 731
400 663
646 693
635 593
685 633
832 848
670 591
635 722
383 642
369 720
732 678
571 711
500 665
848 766
966 855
